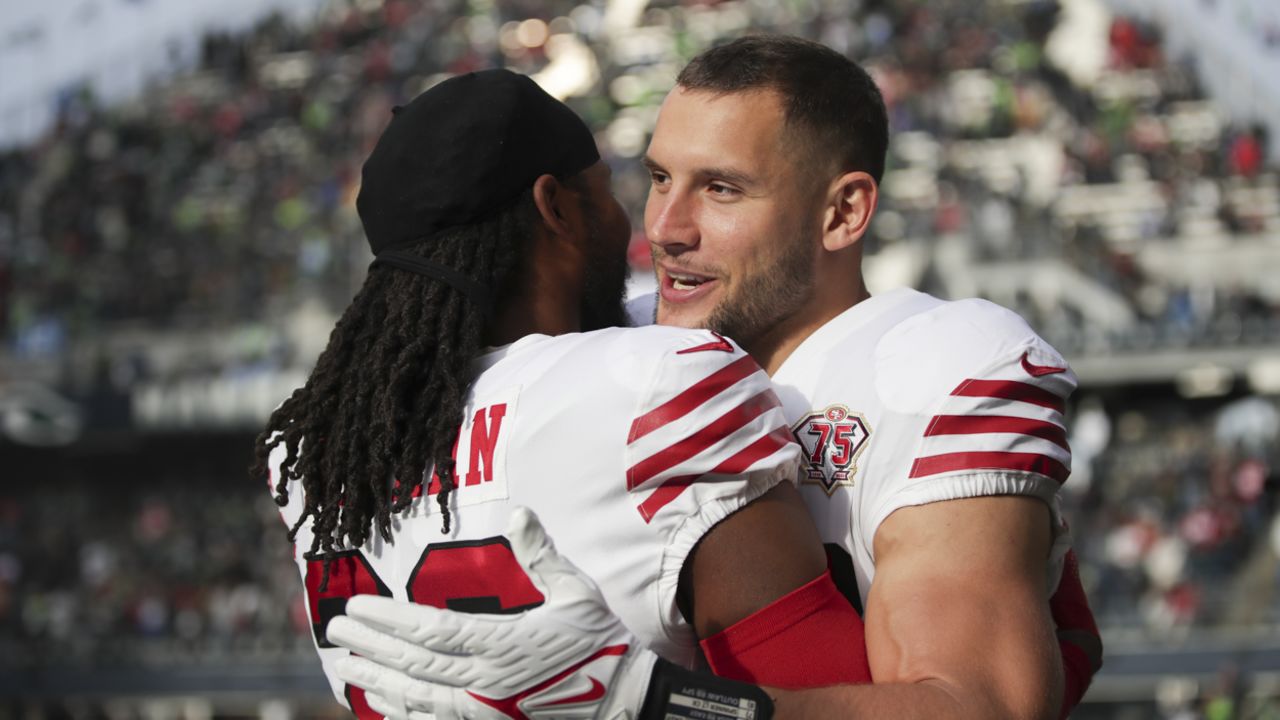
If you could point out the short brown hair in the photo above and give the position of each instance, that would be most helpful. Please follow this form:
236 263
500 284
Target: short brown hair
823 93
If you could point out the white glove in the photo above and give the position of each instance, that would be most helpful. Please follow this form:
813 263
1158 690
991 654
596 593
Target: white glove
568 658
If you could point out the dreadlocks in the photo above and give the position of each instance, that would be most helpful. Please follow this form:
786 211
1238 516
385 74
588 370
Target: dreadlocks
385 400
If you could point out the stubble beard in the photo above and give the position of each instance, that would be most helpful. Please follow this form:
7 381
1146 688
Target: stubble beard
767 297
764 299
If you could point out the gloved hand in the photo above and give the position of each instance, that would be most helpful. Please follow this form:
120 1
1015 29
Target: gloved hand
567 658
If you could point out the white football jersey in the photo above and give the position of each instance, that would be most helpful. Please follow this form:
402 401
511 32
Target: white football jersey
905 399
629 444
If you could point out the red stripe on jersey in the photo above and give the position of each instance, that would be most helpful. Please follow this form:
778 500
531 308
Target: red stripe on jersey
980 424
756 451
669 490
1027 462
1010 390
697 394
723 427
738 463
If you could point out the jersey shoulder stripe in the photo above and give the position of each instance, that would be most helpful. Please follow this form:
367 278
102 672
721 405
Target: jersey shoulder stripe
686 448
978 424
990 460
762 448
711 411
692 398
1005 413
1011 420
1010 390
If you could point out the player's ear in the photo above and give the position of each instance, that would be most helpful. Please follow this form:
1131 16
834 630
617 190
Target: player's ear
851 200
550 196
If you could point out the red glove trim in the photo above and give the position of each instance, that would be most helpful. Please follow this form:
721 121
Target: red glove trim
810 637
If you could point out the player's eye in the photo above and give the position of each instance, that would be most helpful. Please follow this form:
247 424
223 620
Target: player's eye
722 191
658 178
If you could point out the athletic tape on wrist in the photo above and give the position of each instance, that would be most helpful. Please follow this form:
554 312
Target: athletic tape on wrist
679 694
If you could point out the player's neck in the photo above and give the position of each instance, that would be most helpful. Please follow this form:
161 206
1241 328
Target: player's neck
538 306
520 318
830 299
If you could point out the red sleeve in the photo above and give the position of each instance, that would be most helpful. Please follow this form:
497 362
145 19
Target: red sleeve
811 637
1078 637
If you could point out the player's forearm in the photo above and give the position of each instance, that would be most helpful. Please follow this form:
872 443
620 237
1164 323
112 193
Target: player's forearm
903 701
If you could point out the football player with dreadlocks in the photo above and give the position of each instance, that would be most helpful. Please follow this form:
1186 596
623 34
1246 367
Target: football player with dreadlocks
457 386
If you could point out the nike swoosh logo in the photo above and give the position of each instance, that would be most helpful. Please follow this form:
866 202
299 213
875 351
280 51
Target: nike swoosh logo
595 693
720 343
1039 370
510 706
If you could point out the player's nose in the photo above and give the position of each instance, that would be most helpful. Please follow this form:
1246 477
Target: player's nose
670 223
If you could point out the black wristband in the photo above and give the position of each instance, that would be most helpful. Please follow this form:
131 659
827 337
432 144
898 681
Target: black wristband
679 694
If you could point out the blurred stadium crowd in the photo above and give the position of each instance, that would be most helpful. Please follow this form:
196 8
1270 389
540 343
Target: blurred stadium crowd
204 235
107 573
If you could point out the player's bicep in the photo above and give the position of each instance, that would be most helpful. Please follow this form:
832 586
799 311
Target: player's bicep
750 559
959 600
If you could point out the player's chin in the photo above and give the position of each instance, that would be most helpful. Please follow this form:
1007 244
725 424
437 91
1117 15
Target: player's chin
687 315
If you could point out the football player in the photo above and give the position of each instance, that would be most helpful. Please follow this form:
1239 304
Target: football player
933 433
455 387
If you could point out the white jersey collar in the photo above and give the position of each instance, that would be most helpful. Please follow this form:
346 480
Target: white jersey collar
492 355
